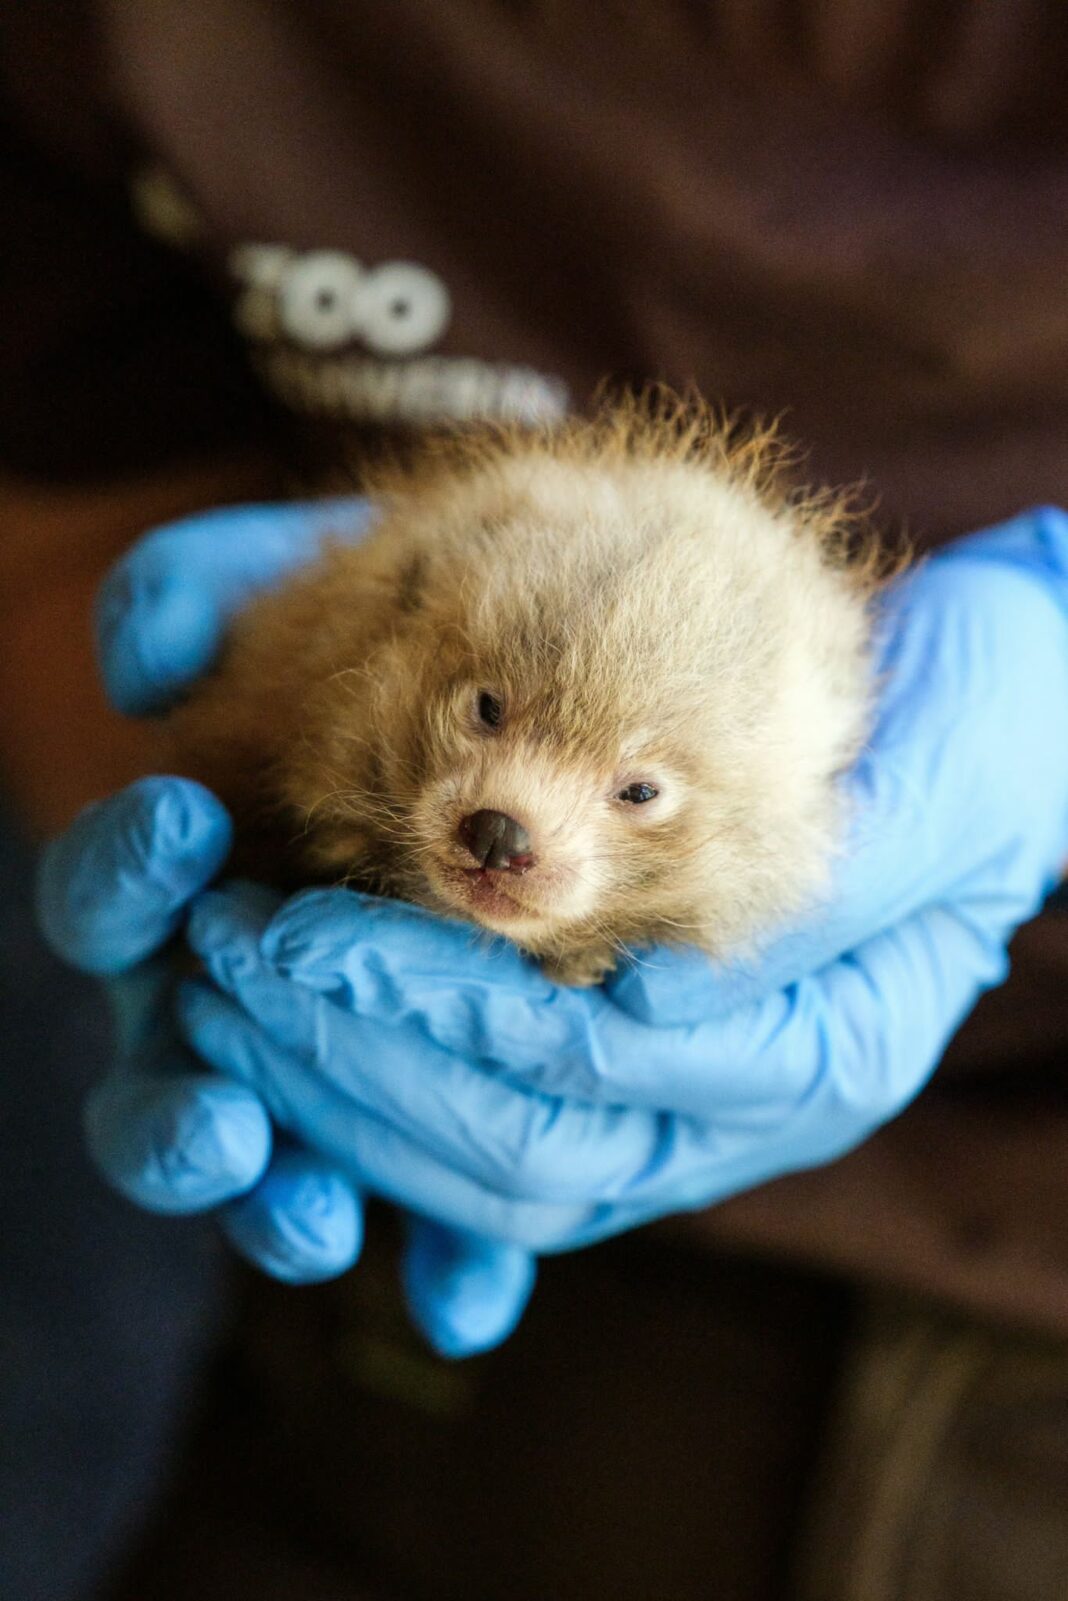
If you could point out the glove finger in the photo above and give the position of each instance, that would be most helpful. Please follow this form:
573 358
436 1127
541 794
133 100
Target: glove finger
864 1032
864 1042
303 1101
114 887
888 1012
163 610
519 1143
465 1293
340 939
302 1223
748 1070
397 964
387 962
177 1144
400 1170
871 1022
873 1034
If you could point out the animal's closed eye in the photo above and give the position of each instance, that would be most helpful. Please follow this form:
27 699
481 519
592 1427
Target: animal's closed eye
490 710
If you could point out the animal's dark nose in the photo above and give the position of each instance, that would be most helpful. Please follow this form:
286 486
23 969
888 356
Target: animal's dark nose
497 841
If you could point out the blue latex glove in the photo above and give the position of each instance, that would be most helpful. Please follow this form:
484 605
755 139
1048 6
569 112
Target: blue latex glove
116 887
455 1079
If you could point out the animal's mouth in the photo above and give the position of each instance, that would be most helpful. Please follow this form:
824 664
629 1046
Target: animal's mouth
522 903
487 896
483 891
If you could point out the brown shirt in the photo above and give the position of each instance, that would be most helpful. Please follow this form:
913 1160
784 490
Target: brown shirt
230 220
855 214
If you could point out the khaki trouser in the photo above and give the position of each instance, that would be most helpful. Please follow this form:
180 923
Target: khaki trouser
667 1425
945 1475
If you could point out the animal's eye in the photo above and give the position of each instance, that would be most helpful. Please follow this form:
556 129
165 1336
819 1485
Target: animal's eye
490 710
638 794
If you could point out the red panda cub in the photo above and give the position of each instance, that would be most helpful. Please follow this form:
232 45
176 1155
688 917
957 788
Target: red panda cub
591 688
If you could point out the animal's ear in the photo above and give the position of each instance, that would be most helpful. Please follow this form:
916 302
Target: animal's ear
411 581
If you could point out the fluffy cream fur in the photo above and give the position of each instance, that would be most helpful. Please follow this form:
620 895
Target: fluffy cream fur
647 602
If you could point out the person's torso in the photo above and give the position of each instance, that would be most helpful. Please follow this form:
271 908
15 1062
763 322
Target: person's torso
857 218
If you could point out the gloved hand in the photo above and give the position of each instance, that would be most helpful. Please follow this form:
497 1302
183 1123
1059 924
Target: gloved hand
452 1077
116 887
